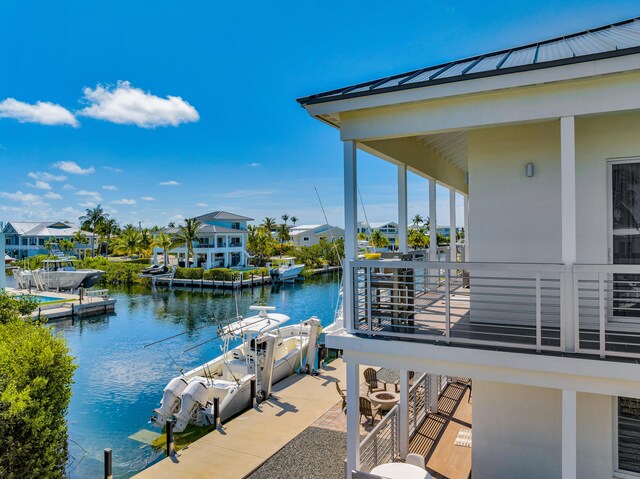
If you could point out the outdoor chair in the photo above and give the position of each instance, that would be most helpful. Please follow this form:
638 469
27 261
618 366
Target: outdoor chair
412 375
365 475
371 378
368 410
343 395
415 460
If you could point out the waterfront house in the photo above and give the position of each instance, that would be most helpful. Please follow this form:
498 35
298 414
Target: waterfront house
221 243
387 228
29 238
543 313
309 235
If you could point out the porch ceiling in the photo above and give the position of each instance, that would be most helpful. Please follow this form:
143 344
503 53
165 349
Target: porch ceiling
451 146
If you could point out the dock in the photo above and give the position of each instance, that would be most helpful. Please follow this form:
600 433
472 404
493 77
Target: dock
247 441
70 306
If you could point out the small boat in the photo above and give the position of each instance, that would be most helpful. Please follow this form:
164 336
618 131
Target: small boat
267 354
61 274
155 269
284 269
8 259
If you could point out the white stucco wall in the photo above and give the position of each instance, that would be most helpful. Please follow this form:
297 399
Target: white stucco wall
517 432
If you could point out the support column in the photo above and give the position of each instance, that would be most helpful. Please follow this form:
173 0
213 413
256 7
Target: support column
568 207
403 420
434 386
453 256
353 416
403 219
433 230
3 274
569 435
466 228
155 255
350 230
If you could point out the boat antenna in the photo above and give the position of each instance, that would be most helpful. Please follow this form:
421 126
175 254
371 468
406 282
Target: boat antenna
174 362
363 210
326 220
217 336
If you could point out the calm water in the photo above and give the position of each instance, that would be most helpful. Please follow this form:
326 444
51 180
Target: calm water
118 383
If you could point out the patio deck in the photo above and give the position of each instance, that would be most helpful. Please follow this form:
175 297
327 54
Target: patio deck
435 439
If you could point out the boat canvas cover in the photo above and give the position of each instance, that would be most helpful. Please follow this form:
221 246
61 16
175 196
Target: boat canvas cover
257 324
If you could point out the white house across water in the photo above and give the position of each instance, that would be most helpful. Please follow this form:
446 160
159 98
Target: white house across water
23 239
221 243
309 235
543 314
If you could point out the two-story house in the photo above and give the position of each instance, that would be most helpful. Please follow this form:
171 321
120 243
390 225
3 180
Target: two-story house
29 238
544 313
221 243
389 229
309 235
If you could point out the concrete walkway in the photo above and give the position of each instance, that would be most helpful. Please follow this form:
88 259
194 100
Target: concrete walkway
253 437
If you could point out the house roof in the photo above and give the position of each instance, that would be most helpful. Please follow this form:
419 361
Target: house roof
44 228
302 228
222 215
377 224
210 229
617 39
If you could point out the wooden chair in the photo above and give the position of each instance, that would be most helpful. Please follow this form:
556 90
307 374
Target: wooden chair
371 378
343 395
368 410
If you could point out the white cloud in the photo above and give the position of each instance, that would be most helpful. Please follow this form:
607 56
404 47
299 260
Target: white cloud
94 195
254 164
201 205
112 169
124 104
147 198
40 185
110 187
88 204
24 198
45 176
124 201
246 193
68 187
53 196
169 183
74 168
42 112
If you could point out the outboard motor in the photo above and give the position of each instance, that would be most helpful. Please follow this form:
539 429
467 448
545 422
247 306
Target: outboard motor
196 395
170 400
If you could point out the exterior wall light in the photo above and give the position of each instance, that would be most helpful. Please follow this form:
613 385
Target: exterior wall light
529 170
466 177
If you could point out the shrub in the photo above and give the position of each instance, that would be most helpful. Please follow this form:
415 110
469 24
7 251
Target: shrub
36 373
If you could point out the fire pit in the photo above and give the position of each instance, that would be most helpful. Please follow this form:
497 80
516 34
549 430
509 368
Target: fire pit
385 399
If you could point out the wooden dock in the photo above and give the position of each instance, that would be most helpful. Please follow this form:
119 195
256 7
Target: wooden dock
70 306
247 441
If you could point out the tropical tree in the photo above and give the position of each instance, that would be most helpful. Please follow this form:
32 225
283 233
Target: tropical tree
51 244
260 244
362 237
285 218
187 234
66 245
418 238
417 220
269 224
378 240
146 241
106 229
163 241
283 235
128 243
90 220
79 238
294 220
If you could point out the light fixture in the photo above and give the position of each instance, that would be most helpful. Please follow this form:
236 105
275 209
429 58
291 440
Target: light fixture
466 177
529 170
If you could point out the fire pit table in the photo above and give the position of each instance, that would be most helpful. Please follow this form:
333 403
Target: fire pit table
385 399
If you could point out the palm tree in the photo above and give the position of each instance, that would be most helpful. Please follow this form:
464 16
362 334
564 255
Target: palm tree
106 229
418 238
128 243
91 219
79 238
417 220
51 245
294 220
146 240
283 236
378 240
164 241
259 243
66 245
269 224
362 237
285 218
187 235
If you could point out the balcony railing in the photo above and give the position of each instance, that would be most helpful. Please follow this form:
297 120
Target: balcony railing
507 305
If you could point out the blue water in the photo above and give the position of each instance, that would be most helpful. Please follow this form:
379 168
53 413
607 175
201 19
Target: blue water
118 382
41 299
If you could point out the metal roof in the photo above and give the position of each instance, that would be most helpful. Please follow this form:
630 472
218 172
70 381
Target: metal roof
208 229
622 38
44 228
222 215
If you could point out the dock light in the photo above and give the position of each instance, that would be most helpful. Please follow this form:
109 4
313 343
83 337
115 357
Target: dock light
466 177
529 170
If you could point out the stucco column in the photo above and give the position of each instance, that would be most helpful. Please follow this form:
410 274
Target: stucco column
569 434
568 207
402 209
353 416
452 225
403 423
350 230
434 386
466 228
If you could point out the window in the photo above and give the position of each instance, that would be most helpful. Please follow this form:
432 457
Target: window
235 226
235 242
628 434
306 238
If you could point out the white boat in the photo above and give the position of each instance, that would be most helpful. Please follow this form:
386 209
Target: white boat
268 353
61 274
8 259
284 269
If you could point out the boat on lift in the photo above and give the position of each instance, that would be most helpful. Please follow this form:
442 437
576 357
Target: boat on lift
284 269
268 353
61 274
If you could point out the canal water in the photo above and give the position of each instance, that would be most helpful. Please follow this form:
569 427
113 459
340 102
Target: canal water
118 382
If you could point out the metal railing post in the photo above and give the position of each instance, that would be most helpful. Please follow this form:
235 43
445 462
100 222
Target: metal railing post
538 313
602 316
447 304
369 299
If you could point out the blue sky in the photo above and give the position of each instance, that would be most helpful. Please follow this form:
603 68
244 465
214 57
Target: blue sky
214 85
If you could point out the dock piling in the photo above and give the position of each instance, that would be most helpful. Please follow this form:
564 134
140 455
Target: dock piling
216 412
252 403
170 443
108 463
